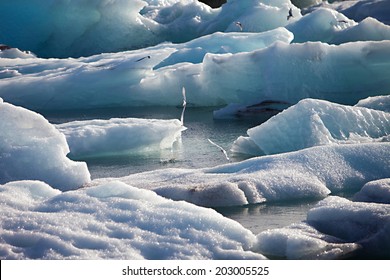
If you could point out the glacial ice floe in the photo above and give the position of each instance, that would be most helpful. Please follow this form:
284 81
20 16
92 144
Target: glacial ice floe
305 174
33 149
339 73
313 123
335 228
113 221
119 136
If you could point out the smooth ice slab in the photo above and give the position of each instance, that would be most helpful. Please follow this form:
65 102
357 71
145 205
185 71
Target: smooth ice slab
313 123
33 149
114 137
113 221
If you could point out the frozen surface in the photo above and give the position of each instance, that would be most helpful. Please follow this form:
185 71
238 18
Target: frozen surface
33 149
100 138
113 221
381 103
344 74
308 174
313 123
375 191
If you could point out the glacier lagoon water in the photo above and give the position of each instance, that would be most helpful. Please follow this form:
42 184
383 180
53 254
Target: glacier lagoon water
193 151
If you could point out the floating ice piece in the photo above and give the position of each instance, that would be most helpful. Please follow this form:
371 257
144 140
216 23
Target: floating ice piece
99 138
361 9
9 52
375 191
33 149
367 224
329 26
381 103
300 241
335 228
113 221
316 122
307 174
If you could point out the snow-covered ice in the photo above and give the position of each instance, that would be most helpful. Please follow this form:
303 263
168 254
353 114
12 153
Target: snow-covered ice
33 149
381 103
322 73
313 123
305 174
361 9
113 221
375 191
329 26
101 138
335 228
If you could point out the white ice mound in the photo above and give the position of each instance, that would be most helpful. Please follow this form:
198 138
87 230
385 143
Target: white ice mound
367 224
33 149
313 123
307 174
113 221
99 138
381 103
361 9
300 241
329 26
219 43
376 191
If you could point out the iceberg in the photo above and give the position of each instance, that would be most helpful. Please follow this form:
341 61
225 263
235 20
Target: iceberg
305 174
313 123
367 224
33 149
381 103
120 137
331 27
375 191
360 9
302 242
343 74
113 221
118 25
335 229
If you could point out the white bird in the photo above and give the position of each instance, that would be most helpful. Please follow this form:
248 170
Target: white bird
221 149
183 92
239 24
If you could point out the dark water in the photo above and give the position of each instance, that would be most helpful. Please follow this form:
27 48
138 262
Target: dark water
193 151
